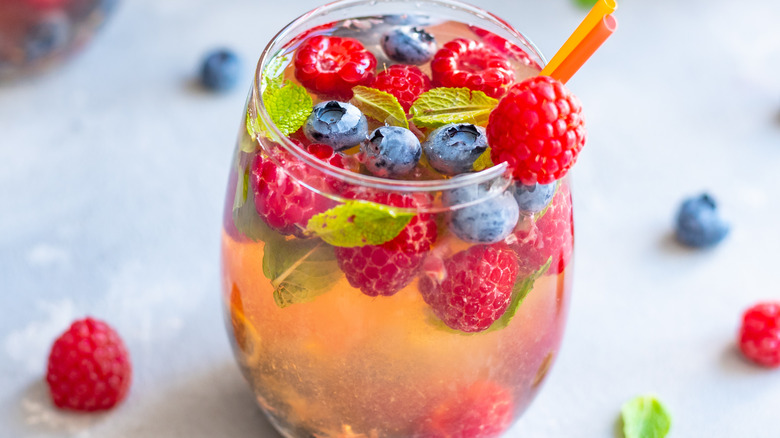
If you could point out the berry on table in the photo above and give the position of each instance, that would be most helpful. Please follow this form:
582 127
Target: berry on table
405 82
339 125
476 289
220 70
332 66
490 220
89 367
699 224
470 64
51 33
759 335
409 45
482 410
391 152
538 129
452 149
385 269
535 197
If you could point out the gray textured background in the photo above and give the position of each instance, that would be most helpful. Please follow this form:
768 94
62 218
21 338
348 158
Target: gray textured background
112 174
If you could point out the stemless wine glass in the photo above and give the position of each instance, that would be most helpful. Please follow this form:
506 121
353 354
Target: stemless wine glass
37 34
426 335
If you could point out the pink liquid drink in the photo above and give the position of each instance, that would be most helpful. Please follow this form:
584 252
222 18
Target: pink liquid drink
367 296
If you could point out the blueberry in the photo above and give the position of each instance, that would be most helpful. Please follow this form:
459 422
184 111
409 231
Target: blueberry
391 151
220 70
452 149
699 224
51 34
339 125
409 45
534 198
488 221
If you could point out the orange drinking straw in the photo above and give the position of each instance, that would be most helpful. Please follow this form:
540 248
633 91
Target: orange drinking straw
601 9
585 49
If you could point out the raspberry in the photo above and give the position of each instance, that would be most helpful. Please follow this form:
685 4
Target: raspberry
759 336
405 82
280 198
552 235
512 50
538 129
385 269
476 290
89 367
331 65
467 63
483 410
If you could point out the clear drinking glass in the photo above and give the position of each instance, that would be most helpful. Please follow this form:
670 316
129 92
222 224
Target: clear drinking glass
329 356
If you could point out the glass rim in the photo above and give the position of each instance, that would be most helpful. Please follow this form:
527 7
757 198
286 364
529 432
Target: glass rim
358 179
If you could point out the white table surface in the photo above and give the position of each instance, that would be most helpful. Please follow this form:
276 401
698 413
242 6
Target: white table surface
112 176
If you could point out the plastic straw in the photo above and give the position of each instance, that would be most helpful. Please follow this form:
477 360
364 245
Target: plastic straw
601 9
585 49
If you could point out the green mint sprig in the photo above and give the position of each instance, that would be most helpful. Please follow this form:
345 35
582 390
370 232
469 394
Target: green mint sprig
645 417
441 106
359 223
380 106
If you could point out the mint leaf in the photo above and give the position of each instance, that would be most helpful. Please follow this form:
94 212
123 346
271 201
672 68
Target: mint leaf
288 106
380 106
483 161
645 417
523 286
299 270
359 223
442 106
273 75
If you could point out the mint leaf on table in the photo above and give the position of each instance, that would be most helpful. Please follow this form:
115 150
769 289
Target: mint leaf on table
645 417
359 223
380 106
585 4
441 106
523 286
299 270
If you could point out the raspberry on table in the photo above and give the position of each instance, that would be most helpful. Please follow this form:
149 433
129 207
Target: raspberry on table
759 335
538 129
89 367
332 66
481 410
405 82
552 235
477 288
470 64
385 269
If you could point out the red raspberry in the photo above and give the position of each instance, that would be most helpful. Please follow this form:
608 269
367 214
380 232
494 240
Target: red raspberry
331 65
483 410
89 367
538 129
550 236
759 336
476 290
512 50
405 82
280 198
385 269
467 63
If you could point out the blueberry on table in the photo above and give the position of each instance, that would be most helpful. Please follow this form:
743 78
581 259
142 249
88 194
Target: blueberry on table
409 45
52 33
339 125
699 224
535 197
490 220
391 152
220 70
452 149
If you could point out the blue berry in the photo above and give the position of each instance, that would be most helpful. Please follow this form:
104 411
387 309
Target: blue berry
391 152
51 34
337 124
490 220
452 149
409 45
220 70
534 198
699 224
